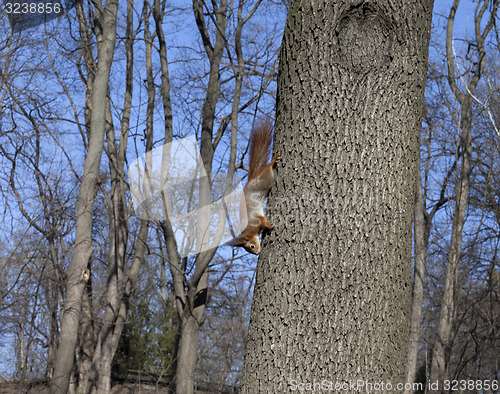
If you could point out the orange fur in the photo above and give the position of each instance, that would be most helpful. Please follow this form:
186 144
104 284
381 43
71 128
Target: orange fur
260 180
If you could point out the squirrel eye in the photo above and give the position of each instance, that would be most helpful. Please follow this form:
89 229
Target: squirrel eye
252 246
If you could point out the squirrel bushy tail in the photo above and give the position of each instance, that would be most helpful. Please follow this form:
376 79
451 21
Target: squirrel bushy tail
260 146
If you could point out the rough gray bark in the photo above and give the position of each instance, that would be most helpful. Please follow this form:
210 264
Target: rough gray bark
447 312
332 294
78 273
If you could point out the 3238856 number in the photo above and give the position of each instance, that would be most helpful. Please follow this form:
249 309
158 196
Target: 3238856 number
32 8
470 385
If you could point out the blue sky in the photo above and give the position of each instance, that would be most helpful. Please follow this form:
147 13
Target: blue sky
464 19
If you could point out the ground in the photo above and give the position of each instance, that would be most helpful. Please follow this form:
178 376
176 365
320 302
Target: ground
41 387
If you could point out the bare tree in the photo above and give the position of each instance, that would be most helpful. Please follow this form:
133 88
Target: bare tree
442 343
78 273
475 353
38 184
422 222
120 278
190 276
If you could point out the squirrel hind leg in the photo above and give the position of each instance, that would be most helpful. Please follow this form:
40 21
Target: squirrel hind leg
265 224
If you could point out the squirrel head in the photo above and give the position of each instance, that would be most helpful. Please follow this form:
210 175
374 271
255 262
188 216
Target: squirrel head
250 243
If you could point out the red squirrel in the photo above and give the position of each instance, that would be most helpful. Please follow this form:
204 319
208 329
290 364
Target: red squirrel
260 179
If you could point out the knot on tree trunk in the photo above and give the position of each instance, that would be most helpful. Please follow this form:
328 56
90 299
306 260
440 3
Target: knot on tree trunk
365 37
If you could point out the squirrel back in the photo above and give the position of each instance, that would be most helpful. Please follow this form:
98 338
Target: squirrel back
260 146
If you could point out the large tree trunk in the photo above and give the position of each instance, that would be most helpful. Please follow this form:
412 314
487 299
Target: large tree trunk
78 272
332 293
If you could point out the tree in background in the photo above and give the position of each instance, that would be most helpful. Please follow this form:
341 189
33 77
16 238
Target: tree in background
226 63
78 273
470 350
448 310
38 193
